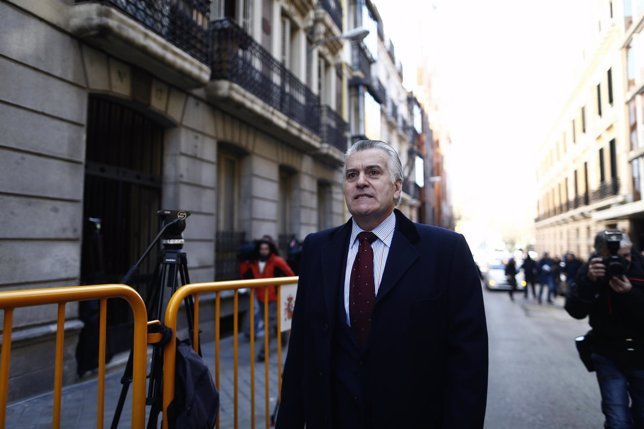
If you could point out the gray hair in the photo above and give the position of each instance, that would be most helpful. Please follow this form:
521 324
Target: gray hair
626 242
393 160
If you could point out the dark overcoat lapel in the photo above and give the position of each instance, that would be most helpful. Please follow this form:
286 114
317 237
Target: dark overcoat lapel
334 259
402 255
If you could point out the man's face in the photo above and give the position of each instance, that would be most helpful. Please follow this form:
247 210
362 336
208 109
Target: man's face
625 252
369 190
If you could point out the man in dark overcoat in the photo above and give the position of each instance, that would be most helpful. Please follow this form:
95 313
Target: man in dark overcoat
389 327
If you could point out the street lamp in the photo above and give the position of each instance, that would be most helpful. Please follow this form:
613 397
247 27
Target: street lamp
355 35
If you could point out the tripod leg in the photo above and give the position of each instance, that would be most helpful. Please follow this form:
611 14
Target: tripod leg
156 387
188 301
126 380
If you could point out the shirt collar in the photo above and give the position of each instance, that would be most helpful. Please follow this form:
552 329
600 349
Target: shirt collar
384 231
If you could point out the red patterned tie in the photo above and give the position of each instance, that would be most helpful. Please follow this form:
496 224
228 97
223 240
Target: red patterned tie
362 293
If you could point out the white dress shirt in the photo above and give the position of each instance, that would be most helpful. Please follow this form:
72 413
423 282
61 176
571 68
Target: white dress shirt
385 233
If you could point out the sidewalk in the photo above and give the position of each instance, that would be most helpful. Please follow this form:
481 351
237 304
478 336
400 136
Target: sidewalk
79 401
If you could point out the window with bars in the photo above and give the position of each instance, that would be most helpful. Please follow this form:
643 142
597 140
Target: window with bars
122 192
229 238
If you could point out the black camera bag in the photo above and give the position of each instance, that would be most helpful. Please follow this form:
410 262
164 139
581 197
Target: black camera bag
585 349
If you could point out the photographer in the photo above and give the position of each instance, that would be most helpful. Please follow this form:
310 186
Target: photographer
609 289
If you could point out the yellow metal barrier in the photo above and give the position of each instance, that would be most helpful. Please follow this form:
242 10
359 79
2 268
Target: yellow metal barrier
11 300
195 290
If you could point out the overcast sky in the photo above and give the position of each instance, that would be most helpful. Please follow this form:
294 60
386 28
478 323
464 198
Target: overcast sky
503 69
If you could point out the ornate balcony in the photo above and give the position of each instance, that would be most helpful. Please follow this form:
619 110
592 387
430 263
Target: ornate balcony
378 91
394 112
361 61
334 132
255 84
411 188
169 39
605 190
334 9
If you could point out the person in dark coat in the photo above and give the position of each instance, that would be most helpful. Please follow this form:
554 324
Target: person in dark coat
511 276
571 267
546 275
405 346
614 304
529 268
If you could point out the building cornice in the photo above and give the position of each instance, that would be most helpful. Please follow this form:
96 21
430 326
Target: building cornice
121 36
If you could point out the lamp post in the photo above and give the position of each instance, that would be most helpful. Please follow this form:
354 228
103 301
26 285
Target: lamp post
354 35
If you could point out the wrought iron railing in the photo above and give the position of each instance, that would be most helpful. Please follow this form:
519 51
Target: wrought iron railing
334 129
361 60
575 202
408 130
377 90
184 23
334 9
410 188
412 133
394 111
606 189
236 57
404 126
228 245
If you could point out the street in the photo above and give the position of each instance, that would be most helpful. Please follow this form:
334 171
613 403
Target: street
536 379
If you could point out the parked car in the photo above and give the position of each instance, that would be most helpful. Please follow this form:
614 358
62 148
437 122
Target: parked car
494 276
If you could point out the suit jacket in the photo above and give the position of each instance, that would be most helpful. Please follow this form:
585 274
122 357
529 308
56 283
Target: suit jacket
426 359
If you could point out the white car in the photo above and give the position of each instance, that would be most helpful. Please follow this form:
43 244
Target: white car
495 279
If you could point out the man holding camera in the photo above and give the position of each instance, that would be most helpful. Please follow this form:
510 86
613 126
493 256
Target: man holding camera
610 290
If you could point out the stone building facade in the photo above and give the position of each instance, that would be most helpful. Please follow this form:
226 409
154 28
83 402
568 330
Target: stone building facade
589 172
237 111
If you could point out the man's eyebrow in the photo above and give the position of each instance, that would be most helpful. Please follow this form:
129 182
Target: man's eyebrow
366 167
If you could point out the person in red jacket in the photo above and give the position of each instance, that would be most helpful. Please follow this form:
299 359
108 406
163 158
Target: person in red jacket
267 264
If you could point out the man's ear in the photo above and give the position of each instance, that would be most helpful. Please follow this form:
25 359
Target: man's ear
398 190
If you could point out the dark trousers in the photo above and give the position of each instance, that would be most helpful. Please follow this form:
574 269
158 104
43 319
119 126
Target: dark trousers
616 385
530 284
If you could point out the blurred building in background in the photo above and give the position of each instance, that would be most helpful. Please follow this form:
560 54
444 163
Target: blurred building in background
438 204
238 111
590 169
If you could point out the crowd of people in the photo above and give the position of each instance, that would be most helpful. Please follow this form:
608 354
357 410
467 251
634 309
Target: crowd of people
552 274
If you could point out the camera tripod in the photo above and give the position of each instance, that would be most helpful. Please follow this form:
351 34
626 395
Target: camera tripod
172 266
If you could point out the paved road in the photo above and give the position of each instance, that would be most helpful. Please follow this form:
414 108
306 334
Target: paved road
536 377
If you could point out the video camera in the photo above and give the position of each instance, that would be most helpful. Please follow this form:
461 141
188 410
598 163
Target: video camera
173 222
616 265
